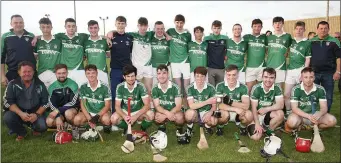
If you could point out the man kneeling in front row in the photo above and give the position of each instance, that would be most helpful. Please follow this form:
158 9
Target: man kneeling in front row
303 97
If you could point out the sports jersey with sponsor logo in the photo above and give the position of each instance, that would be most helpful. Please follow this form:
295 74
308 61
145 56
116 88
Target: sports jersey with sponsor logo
305 99
95 52
236 53
141 53
299 51
277 48
72 50
95 99
179 46
197 54
160 51
265 98
256 47
236 94
167 98
202 95
137 94
48 52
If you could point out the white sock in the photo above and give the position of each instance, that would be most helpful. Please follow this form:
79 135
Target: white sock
190 125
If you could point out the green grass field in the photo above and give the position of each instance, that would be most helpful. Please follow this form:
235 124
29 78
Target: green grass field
221 149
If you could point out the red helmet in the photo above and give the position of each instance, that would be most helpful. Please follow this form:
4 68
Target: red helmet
62 137
303 145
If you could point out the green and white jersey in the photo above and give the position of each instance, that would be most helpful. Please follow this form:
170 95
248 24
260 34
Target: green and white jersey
236 53
264 98
305 99
299 51
142 52
138 93
48 52
72 50
256 48
197 54
95 98
95 52
201 95
160 51
236 93
179 46
277 48
167 98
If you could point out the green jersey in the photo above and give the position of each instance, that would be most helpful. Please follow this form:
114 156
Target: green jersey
137 94
256 47
277 48
160 51
95 99
201 95
305 99
179 46
95 52
299 51
141 52
264 98
166 98
235 93
72 50
236 53
197 54
48 52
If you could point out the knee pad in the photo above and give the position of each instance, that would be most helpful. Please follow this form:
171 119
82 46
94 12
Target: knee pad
250 129
267 118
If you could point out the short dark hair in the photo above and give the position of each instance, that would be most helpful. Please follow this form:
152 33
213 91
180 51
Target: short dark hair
268 31
60 66
25 63
158 23
300 24
92 22
322 23
311 33
231 68
90 67
162 67
256 21
121 19
179 17
128 69
237 24
201 29
200 70
269 70
216 23
71 20
307 69
16 16
142 21
45 21
277 19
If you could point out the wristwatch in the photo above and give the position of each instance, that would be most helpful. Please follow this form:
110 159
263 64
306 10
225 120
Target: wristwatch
338 72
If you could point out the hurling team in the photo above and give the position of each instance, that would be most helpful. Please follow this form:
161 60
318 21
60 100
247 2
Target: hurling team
171 78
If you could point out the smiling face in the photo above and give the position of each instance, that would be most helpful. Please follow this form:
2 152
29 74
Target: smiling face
17 23
130 78
237 30
26 73
268 79
162 76
257 28
179 25
231 77
91 75
120 26
61 74
308 78
93 30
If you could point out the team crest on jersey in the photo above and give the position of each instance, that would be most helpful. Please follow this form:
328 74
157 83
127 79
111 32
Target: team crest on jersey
26 38
284 41
222 42
262 41
48 47
70 41
77 41
100 96
171 97
301 48
95 45
327 43
102 46
127 43
55 46
38 90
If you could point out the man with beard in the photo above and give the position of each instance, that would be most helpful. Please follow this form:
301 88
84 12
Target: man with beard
63 99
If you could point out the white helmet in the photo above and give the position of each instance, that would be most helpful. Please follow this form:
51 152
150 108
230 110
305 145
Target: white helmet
90 135
272 144
158 140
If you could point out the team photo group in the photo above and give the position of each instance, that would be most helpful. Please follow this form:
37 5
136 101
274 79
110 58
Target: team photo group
262 82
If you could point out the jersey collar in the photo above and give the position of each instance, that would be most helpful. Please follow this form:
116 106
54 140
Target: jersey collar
242 39
98 85
169 86
163 37
304 39
195 87
126 86
312 90
76 34
185 31
199 43
273 33
271 88
231 89
47 41
99 38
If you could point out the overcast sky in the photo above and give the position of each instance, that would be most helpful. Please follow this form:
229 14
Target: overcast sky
201 13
